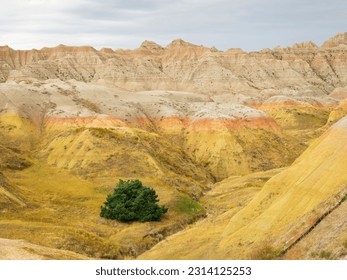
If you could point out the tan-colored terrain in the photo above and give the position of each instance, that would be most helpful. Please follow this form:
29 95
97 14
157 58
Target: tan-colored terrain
247 148
21 250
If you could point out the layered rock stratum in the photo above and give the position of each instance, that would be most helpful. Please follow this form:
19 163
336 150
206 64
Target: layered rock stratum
302 68
245 135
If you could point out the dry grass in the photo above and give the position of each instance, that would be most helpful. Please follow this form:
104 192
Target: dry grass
265 251
64 214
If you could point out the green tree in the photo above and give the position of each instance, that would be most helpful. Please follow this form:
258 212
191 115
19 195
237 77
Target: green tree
131 201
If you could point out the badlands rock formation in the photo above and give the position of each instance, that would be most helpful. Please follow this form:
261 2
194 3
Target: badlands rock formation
289 205
207 129
301 69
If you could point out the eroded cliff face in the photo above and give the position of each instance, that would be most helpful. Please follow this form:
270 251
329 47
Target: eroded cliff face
301 68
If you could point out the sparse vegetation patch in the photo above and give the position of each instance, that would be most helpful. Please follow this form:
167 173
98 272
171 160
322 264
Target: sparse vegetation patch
131 201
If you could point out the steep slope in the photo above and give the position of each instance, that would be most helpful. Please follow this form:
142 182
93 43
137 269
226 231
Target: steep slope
286 208
341 110
328 240
291 202
10 197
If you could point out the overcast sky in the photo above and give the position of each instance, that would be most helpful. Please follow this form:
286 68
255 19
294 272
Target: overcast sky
248 24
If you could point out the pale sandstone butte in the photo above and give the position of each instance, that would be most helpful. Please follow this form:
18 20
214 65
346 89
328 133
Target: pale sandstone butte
184 66
339 39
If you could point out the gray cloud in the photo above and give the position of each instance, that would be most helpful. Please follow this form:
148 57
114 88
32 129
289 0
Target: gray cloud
250 24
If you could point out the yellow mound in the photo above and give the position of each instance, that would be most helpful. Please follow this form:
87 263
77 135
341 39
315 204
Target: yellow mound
314 183
121 152
18 131
286 208
227 153
338 113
